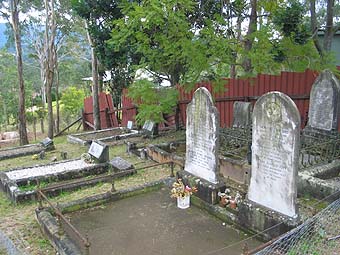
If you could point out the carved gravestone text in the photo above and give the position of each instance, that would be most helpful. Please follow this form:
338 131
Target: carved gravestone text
275 153
202 134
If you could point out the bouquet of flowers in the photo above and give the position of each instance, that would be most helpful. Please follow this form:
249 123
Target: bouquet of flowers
181 190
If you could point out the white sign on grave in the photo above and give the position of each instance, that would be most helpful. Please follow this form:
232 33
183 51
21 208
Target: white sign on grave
275 153
148 125
202 126
129 124
96 149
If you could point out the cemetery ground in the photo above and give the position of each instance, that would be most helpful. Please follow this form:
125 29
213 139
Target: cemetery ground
19 223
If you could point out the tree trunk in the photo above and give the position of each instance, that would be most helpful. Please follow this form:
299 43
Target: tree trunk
248 44
57 97
50 60
17 38
327 43
315 28
95 84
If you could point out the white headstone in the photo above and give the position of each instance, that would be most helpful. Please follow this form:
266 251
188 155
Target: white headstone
324 102
148 125
129 124
202 126
99 151
275 153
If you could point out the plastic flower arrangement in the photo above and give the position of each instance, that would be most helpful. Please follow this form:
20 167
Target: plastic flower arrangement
181 190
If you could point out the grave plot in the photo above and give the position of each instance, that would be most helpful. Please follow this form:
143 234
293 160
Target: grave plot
237 170
320 181
21 184
126 221
105 135
319 165
25 150
233 150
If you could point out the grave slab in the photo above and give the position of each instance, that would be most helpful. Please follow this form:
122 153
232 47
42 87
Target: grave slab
119 164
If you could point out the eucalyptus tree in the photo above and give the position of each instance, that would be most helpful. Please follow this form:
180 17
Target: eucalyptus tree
13 7
99 16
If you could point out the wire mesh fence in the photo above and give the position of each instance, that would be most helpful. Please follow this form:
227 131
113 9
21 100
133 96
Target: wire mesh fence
319 235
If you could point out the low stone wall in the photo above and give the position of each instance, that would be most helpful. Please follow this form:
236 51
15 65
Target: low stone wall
105 135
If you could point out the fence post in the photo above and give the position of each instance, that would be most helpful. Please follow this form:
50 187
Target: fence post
113 189
87 246
59 219
172 169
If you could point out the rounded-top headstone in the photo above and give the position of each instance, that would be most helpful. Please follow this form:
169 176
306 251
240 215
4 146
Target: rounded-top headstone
324 102
202 132
275 153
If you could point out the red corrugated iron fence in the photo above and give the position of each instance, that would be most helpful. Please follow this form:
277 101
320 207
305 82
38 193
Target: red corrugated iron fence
297 85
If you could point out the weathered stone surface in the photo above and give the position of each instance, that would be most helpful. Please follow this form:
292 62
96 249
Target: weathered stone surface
324 102
120 164
149 125
202 133
47 142
275 153
100 151
242 114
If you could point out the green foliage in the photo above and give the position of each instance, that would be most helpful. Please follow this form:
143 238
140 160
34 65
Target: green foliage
289 20
152 101
73 101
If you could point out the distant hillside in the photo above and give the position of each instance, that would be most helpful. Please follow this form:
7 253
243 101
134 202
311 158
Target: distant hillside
3 38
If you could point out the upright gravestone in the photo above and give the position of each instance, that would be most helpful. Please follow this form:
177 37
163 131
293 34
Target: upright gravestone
129 125
241 114
324 103
275 153
100 151
149 125
202 126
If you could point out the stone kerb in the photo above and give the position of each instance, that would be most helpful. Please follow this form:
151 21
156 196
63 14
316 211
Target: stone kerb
275 153
324 103
202 137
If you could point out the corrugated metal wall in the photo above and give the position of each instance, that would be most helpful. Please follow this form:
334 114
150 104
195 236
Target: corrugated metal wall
296 85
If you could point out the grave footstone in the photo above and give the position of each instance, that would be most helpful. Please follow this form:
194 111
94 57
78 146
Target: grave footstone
47 143
275 153
324 103
241 114
100 151
120 164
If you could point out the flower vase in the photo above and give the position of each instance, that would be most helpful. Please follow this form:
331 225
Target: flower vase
183 202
